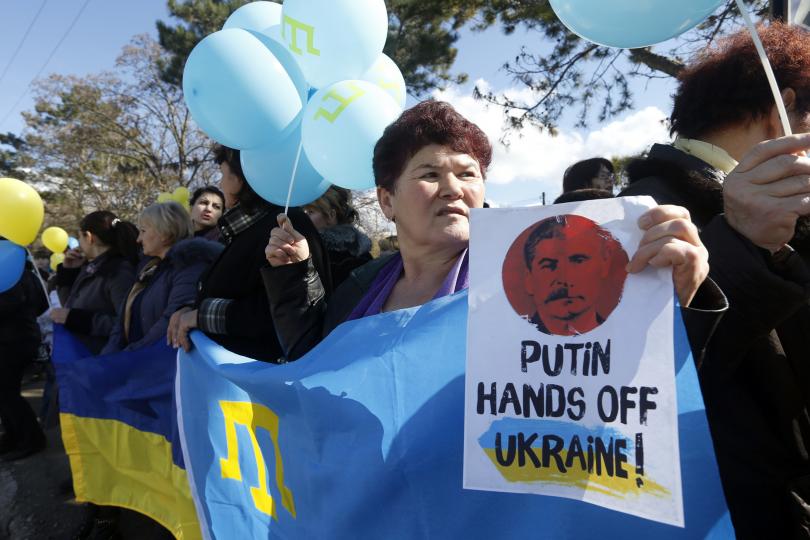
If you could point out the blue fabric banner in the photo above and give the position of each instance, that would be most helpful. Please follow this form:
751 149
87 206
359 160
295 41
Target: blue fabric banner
120 431
362 438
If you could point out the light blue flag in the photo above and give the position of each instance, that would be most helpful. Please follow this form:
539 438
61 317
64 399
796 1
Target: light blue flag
362 438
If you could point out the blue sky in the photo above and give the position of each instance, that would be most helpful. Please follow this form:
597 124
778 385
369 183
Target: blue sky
533 163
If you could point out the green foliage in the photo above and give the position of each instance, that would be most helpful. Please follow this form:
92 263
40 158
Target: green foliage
582 76
11 148
421 36
113 140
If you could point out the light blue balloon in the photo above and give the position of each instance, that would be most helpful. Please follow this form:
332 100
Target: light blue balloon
285 58
269 171
73 243
386 74
255 16
632 23
341 125
238 92
12 263
333 40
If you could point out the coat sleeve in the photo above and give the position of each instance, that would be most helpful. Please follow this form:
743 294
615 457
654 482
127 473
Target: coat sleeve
251 316
298 304
116 340
763 291
117 289
182 292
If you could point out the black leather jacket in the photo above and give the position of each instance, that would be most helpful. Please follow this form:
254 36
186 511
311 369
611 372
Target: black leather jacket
302 311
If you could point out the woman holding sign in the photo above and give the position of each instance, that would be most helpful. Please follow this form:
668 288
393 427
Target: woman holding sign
429 167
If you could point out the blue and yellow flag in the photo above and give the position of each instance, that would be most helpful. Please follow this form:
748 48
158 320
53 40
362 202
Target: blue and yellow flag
120 431
363 438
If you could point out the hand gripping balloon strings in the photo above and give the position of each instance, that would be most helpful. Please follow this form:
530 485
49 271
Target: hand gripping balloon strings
777 96
292 178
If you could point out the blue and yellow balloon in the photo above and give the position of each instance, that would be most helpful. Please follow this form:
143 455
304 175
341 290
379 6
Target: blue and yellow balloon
333 40
341 125
629 23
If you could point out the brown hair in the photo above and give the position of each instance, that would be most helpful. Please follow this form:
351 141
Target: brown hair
339 200
429 122
248 199
726 84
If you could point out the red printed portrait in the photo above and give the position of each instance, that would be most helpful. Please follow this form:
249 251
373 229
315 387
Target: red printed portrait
565 274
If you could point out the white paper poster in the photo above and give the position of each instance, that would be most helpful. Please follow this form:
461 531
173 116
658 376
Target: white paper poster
570 383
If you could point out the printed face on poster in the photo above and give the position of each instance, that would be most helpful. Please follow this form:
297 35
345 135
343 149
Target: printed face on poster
570 384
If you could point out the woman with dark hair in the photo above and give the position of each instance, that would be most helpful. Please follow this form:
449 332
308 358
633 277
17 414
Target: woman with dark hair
429 167
207 204
593 173
334 216
231 305
750 198
94 279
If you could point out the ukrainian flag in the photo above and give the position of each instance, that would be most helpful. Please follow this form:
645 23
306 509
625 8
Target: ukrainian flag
363 438
120 431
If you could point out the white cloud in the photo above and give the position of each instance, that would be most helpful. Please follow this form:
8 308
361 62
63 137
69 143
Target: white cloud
539 158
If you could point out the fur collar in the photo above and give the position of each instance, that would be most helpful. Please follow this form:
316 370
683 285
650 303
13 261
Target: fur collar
346 238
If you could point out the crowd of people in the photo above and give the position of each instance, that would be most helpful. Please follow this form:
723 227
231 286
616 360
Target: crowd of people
270 285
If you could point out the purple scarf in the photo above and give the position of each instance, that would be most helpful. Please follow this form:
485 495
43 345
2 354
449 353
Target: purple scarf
374 300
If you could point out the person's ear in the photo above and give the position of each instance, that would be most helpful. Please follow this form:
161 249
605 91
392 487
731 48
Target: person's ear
385 199
774 127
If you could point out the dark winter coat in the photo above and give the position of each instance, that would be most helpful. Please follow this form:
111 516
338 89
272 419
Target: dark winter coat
303 311
755 374
348 248
97 291
19 308
172 286
244 324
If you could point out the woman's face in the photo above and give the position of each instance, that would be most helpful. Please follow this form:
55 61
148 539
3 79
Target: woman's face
319 219
153 243
85 243
206 211
230 184
432 198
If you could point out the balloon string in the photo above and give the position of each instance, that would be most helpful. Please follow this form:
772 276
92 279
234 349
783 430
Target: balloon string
292 178
777 96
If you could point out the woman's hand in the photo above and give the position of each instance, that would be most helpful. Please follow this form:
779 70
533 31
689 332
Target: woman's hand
286 245
180 324
74 258
671 239
59 314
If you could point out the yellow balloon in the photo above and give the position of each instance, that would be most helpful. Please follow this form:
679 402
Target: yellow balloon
165 197
21 211
181 195
56 260
55 239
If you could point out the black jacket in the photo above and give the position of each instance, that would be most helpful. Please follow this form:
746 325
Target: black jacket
236 276
755 375
19 308
97 292
348 248
303 311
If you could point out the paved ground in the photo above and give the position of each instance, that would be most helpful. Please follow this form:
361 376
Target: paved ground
36 502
